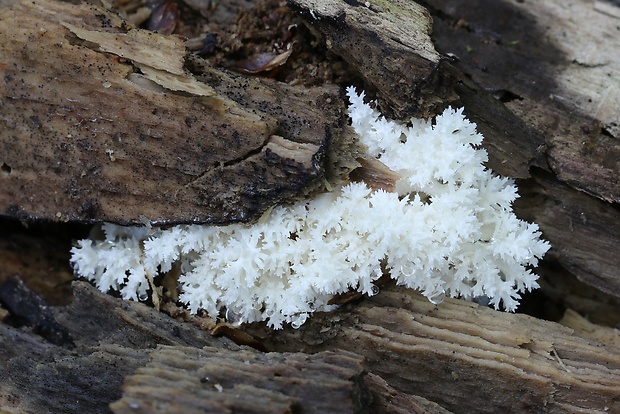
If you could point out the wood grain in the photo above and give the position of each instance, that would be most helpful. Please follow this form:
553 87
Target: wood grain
465 357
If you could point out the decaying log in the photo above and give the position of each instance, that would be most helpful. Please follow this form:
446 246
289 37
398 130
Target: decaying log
586 329
560 75
542 87
191 380
583 231
175 367
99 121
455 356
212 380
465 357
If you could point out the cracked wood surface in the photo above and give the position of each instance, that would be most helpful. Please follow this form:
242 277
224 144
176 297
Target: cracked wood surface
101 122
392 353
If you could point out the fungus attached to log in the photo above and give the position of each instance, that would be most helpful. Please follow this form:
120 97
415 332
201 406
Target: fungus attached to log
447 228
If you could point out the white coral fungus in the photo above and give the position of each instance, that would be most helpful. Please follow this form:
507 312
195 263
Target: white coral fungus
449 229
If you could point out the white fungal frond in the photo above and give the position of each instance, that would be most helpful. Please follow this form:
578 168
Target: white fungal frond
448 229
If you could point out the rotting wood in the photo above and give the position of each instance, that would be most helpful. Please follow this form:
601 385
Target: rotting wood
386 400
191 380
388 42
111 339
560 74
461 356
173 363
465 357
101 122
586 329
583 231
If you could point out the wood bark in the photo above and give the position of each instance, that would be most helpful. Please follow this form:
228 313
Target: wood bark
404 354
465 357
191 380
109 340
101 122
137 359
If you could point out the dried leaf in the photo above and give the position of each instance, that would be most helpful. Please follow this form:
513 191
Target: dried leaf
263 62
164 17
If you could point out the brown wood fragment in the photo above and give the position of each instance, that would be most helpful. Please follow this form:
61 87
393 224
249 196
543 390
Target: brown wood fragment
191 380
101 122
237 336
375 174
389 401
467 358
389 43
